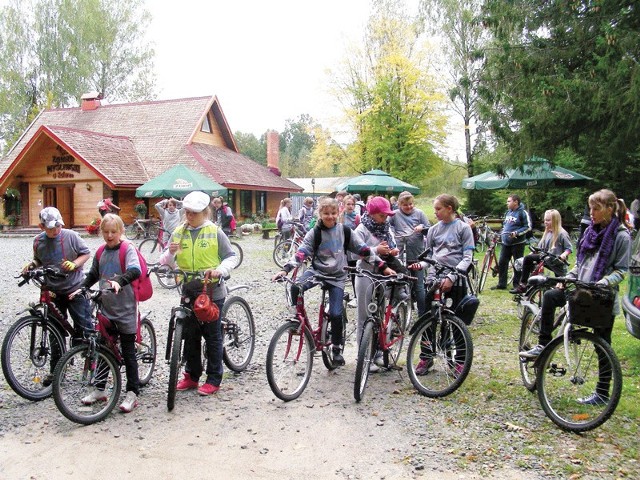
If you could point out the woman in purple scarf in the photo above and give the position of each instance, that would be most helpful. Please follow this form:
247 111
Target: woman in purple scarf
603 257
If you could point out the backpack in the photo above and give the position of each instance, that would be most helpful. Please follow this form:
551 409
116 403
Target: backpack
317 238
142 287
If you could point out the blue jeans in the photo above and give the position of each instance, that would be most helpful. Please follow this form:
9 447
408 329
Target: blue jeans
79 311
194 331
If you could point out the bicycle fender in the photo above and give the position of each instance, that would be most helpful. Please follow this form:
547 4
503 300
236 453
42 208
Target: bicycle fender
421 321
237 287
144 315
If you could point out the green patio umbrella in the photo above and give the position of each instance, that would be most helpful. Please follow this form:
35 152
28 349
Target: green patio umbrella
535 173
376 181
177 182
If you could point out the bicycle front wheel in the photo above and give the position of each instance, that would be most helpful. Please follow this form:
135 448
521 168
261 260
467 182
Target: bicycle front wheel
239 253
86 385
146 351
484 271
151 250
579 389
529 331
29 354
283 252
439 356
175 364
394 334
289 361
366 352
167 279
239 333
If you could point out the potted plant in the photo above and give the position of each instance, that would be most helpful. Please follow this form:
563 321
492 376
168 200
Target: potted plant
141 209
12 220
94 227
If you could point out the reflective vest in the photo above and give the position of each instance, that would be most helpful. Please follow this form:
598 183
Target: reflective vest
200 254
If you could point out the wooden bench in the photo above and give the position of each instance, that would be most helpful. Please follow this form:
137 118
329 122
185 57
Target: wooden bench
267 231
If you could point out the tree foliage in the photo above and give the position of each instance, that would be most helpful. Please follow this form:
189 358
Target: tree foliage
457 23
61 49
252 147
565 77
394 105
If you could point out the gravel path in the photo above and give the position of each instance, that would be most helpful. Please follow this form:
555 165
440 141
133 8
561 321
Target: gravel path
245 430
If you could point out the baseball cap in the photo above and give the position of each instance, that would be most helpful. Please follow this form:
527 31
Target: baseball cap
50 217
379 205
196 201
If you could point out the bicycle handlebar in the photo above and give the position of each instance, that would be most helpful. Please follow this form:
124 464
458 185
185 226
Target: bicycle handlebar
37 274
544 254
398 277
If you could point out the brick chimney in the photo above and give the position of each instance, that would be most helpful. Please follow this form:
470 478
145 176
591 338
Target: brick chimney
273 152
90 101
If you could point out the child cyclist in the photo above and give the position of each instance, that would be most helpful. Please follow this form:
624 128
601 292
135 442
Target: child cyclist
450 242
328 260
119 306
410 225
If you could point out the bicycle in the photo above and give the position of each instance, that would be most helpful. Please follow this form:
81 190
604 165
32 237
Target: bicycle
490 263
294 344
238 249
238 334
440 351
486 235
531 299
385 327
285 249
152 248
96 363
579 378
142 228
33 342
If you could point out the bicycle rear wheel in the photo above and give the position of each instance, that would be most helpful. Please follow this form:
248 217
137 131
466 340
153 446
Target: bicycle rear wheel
146 351
591 370
27 357
283 252
239 335
175 364
133 231
239 253
446 347
289 361
529 331
366 352
77 375
151 250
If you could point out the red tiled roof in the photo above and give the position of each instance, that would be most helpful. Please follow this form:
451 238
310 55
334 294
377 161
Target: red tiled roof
106 153
152 137
233 169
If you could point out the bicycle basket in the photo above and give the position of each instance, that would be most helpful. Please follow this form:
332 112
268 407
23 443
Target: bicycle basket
592 306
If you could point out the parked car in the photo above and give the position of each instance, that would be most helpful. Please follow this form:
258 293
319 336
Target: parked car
631 301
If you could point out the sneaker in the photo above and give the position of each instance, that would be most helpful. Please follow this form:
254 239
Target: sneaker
533 353
95 396
459 368
353 303
519 289
130 402
338 359
373 368
378 359
186 383
424 366
208 389
594 399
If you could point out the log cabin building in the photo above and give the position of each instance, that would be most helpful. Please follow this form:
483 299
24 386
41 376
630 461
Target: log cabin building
71 158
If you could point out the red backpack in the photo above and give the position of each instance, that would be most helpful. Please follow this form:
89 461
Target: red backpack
142 287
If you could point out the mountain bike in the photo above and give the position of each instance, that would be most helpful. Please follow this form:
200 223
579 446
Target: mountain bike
490 264
152 248
294 344
236 248
35 342
96 363
386 325
486 236
285 249
142 228
579 378
238 334
440 351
